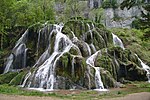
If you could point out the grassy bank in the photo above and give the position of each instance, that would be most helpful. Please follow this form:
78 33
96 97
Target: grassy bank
78 94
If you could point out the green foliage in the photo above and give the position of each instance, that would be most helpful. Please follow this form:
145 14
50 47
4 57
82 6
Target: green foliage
97 15
136 24
72 8
29 12
110 4
14 13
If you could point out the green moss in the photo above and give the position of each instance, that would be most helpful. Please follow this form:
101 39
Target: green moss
18 79
74 51
132 39
6 78
107 79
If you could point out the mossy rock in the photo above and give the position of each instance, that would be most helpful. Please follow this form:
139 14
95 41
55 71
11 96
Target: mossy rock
74 51
65 66
83 48
107 78
6 78
108 64
17 80
135 73
89 79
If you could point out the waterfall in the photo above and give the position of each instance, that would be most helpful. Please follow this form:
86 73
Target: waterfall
25 57
145 67
25 79
17 58
93 47
90 31
88 48
42 58
58 50
22 40
45 75
117 41
75 39
98 82
9 63
38 43
72 70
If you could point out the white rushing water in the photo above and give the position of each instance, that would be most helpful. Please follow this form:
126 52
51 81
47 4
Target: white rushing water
25 79
43 78
72 69
117 41
45 75
22 40
38 43
19 53
98 82
90 31
88 48
93 47
145 67
9 63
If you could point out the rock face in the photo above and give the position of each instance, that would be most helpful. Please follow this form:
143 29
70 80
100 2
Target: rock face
94 3
113 15
76 55
121 18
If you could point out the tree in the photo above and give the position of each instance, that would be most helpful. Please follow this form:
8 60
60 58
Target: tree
5 19
23 13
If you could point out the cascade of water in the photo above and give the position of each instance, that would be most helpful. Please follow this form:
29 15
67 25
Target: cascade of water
26 78
90 31
43 71
89 49
72 70
90 61
93 47
61 54
20 56
25 57
145 67
75 39
9 63
22 40
38 43
42 58
18 53
117 41
73 34
93 26
98 81
45 75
